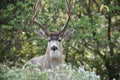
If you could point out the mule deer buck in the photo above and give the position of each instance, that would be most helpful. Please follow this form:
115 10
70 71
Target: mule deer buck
54 53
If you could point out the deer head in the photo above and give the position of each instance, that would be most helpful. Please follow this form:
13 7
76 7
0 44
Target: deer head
54 47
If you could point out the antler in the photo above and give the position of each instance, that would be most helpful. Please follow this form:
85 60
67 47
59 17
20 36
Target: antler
36 8
68 18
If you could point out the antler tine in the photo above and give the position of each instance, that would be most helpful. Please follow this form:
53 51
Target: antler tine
68 17
36 8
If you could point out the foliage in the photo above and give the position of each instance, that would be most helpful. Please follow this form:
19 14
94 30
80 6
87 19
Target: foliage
64 73
95 42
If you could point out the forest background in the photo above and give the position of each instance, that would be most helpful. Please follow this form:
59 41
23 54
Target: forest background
94 44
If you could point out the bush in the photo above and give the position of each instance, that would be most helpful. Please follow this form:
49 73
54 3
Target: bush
3 70
64 72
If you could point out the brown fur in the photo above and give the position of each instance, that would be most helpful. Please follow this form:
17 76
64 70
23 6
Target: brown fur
46 62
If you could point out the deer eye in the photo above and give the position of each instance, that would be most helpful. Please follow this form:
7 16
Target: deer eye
59 40
49 40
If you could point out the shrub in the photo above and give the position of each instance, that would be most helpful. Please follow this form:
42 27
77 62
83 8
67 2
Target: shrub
64 72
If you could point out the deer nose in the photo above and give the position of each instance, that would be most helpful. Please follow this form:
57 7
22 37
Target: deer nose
54 48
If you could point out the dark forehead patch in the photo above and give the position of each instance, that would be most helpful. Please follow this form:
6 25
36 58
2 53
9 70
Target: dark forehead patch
54 36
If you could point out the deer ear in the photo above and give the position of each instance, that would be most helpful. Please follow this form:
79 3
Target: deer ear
67 34
40 33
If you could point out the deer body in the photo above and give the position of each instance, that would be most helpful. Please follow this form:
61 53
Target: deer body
52 58
54 52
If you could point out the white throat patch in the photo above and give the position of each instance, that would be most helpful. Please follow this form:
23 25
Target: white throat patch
54 54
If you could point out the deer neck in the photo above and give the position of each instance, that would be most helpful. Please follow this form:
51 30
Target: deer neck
54 61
